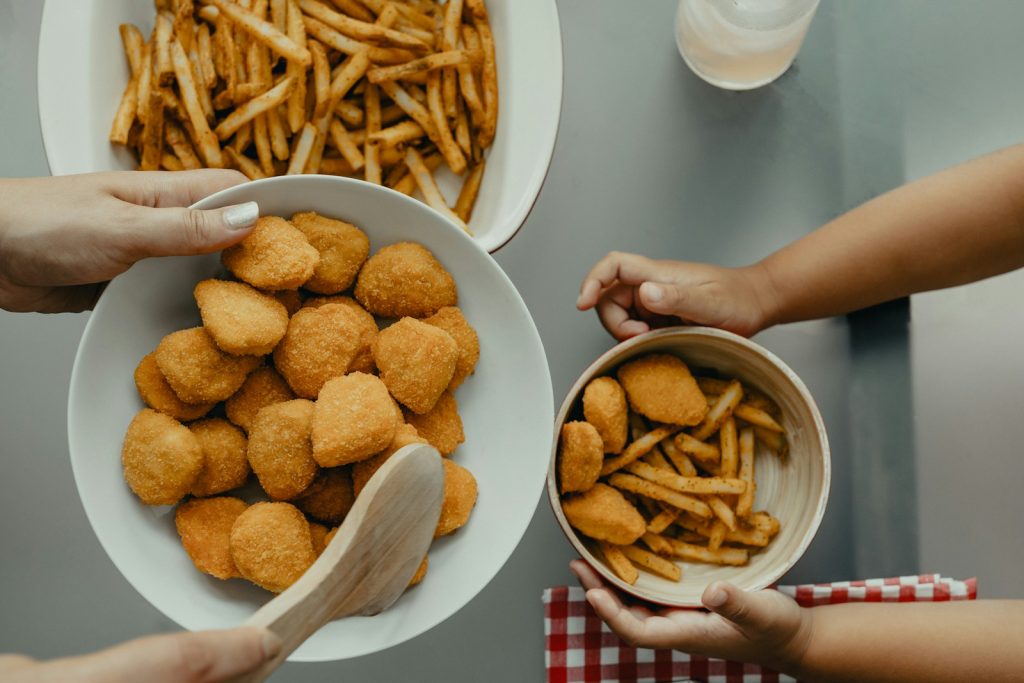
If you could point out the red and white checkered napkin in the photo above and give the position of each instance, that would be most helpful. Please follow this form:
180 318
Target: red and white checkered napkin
581 649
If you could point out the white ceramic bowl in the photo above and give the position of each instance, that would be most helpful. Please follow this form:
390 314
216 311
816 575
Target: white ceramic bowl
82 73
794 489
505 449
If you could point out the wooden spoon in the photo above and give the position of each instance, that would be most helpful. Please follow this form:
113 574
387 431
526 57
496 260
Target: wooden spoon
371 559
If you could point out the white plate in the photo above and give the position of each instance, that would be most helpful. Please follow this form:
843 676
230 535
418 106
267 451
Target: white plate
82 73
507 409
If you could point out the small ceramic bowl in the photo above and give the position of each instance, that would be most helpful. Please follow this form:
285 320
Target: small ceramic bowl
794 488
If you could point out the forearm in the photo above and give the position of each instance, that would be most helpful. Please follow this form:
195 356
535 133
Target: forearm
935 642
957 226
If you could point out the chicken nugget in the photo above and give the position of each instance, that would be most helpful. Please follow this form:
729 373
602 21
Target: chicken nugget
660 387
263 387
343 249
442 426
363 362
204 525
329 497
158 394
354 418
318 535
320 344
416 362
421 571
275 255
242 321
225 465
604 406
280 451
405 434
459 498
196 368
581 453
451 320
161 458
603 513
271 545
405 279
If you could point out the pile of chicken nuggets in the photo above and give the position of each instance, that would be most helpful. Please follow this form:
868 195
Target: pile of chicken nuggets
313 366
661 468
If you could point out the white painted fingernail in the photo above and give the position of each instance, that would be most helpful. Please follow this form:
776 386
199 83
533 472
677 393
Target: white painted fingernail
241 216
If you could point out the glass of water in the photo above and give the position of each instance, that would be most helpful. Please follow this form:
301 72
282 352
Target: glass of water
741 44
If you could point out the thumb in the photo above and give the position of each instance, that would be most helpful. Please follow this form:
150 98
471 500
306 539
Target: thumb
182 231
666 299
203 657
752 612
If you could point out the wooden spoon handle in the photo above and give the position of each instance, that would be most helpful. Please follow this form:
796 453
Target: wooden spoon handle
371 560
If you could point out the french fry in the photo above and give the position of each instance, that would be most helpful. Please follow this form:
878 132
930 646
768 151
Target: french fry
205 138
462 134
343 142
694 553
637 449
169 162
449 149
126 111
467 78
712 387
209 14
279 15
489 73
468 194
163 69
398 134
180 145
316 155
371 148
254 107
717 534
321 78
297 101
413 108
303 148
351 113
656 543
197 74
361 30
354 8
700 451
757 418
278 134
615 558
668 447
663 520
153 133
243 138
450 41
244 164
350 46
335 166
261 138
265 32
764 522
691 537
692 485
204 48
718 412
745 503
652 563
407 184
227 56
388 17
701 527
134 45
347 75
145 84
413 15
183 23
730 448
773 441
722 511
654 458
634 484
745 536
438 60
431 193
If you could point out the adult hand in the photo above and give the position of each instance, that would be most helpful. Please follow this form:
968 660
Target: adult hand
63 238
204 657
765 627
633 294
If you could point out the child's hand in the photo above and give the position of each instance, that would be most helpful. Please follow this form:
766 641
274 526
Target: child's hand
633 293
765 628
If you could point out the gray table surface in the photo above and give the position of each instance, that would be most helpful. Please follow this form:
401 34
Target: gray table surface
649 159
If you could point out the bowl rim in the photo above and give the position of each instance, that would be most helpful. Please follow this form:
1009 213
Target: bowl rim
215 200
623 348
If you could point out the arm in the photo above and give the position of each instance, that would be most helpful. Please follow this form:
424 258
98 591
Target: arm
861 643
957 226
62 238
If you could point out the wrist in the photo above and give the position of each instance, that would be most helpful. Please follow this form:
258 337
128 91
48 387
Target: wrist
766 295
793 654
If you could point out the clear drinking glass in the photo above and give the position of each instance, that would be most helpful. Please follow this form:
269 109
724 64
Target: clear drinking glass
741 44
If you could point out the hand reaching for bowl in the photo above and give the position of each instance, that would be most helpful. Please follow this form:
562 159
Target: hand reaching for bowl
204 657
633 294
63 238
766 627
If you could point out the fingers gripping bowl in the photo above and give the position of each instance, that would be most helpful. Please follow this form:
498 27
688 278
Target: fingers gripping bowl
506 452
792 487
